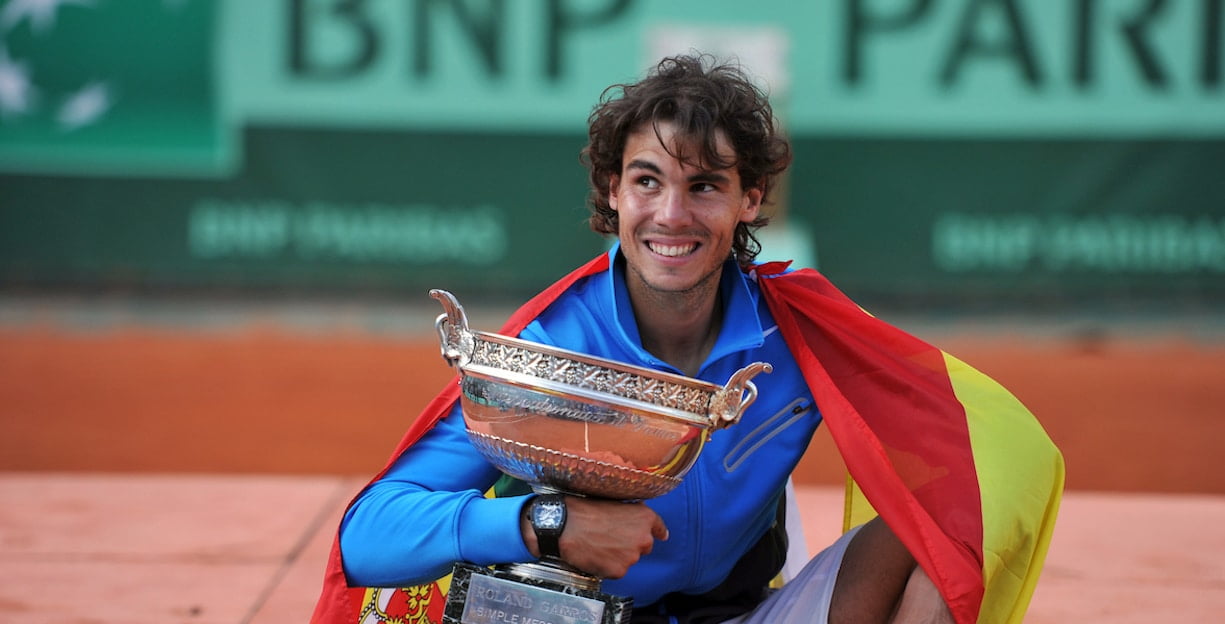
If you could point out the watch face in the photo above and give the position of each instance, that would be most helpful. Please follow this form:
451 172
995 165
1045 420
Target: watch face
548 515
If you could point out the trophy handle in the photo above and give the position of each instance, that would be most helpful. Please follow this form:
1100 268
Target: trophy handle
456 341
737 395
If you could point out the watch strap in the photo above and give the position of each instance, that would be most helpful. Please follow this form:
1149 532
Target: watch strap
549 544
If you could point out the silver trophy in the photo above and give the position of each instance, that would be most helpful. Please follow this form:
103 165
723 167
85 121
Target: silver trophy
565 422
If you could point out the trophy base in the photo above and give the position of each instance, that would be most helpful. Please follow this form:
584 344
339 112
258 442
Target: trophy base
479 595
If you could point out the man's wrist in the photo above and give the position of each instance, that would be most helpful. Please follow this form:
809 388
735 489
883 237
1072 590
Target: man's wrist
547 516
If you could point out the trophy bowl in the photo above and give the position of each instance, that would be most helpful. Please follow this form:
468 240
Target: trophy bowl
568 422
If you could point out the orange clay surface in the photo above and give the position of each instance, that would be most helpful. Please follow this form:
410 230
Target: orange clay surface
1141 413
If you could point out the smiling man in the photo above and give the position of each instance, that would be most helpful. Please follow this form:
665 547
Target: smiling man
681 164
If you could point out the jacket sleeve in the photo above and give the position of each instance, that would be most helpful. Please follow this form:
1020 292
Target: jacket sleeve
429 511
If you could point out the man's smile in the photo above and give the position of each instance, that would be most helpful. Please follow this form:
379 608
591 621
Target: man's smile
672 251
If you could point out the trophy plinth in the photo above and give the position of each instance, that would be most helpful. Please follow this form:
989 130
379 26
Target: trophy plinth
513 593
575 424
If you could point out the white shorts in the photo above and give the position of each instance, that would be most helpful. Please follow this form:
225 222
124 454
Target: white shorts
806 597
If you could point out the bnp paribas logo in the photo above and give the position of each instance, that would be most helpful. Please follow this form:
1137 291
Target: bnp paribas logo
109 87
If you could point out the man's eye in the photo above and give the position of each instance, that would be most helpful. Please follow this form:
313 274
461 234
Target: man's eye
703 187
648 182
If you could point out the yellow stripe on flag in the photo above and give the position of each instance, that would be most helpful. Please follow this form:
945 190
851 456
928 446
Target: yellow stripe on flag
856 508
1018 513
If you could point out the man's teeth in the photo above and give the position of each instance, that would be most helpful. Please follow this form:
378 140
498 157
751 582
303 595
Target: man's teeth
672 250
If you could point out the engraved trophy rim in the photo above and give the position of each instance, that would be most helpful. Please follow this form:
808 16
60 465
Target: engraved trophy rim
459 343
586 394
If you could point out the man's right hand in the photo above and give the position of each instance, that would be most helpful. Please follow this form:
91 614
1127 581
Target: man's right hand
603 537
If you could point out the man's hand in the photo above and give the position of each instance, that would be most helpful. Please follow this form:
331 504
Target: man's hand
603 537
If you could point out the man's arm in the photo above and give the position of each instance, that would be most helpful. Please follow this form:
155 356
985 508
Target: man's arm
880 583
428 511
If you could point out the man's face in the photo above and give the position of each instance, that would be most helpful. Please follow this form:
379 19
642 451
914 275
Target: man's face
676 221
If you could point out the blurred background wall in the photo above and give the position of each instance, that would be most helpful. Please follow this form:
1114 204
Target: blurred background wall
219 219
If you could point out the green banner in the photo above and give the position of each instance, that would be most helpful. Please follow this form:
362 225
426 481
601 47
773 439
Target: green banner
325 210
862 66
120 88
166 86
1032 222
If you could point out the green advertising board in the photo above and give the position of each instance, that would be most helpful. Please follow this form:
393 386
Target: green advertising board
1019 150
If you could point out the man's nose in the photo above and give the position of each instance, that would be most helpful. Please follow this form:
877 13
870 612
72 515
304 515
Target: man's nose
674 208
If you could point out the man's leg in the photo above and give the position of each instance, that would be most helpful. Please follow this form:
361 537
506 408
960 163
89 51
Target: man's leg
809 597
805 598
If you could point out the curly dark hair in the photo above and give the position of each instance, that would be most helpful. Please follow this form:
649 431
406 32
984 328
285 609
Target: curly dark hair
698 96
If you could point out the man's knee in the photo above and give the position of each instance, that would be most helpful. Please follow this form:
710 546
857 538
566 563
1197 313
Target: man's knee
921 602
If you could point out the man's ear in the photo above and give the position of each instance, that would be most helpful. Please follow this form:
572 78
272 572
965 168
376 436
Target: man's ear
752 204
614 182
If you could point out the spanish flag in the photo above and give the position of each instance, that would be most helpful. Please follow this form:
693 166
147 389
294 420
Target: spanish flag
953 463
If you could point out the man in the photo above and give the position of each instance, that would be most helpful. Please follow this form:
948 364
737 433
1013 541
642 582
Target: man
681 164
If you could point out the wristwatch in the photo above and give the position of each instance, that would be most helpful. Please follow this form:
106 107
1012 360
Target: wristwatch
548 517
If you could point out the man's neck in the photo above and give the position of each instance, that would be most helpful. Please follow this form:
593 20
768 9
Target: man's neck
679 328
